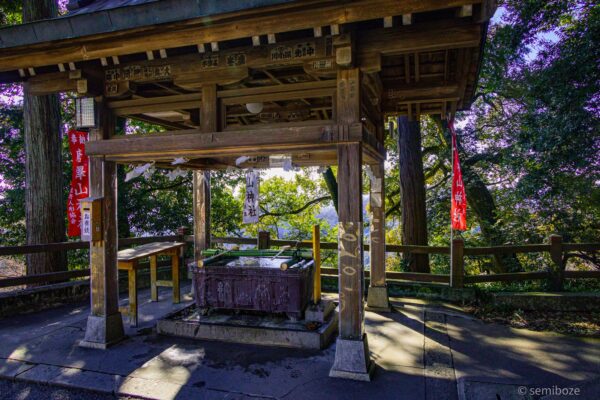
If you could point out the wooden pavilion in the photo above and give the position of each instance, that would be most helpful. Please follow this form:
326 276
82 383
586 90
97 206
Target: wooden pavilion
323 75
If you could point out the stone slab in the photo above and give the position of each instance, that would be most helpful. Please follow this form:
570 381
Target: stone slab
352 360
377 299
248 330
11 368
320 312
41 373
88 380
103 332
148 388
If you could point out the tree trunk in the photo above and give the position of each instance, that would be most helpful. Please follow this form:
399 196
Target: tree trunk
482 203
412 185
44 203
331 183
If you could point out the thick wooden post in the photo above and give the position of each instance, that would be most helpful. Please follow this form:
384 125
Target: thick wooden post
201 179
352 358
201 188
104 325
350 241
377 299
557 270
316 248
457 267
264 240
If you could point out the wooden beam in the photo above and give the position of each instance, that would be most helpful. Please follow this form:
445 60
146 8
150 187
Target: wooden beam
157 121
297 16
193 143
155 104
418 38
420 92
290 87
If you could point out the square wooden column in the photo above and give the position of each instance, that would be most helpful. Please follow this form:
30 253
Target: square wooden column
201 181
377 299
352 358
104 325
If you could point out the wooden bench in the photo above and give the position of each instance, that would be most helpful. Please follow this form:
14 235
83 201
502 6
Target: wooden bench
129 260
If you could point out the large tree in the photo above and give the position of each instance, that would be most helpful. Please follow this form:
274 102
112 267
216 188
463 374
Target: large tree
412 185
44 204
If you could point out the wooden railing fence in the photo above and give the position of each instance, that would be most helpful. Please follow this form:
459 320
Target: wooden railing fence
559 253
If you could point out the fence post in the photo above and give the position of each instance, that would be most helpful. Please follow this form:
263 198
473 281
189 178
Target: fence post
557 270
457 267
316 247
264 240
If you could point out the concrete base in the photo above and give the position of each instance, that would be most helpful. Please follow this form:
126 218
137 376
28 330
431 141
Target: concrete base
103 332
352 360
249 329
319 312
377 299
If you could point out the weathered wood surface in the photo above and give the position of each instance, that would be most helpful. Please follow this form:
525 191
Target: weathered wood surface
148 250
43 278
192 143
508 277
389 275
377 232
103 254
350 258
523 248
295 16
457 263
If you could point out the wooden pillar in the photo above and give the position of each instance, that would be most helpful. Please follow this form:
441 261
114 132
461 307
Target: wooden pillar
104 325
201 179
557 270
201 188
457 260
352 352
316 248
264 240
350 241
378 297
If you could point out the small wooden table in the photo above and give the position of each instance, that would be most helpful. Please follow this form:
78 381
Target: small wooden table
129 260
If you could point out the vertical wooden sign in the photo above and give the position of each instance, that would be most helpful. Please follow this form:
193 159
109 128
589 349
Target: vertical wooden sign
251 198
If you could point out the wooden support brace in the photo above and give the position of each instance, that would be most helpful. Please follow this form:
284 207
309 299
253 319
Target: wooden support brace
466 11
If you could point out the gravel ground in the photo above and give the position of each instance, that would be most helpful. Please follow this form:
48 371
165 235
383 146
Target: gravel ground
10 390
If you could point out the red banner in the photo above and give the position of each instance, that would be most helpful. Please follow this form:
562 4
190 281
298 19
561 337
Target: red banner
80 183
458 210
